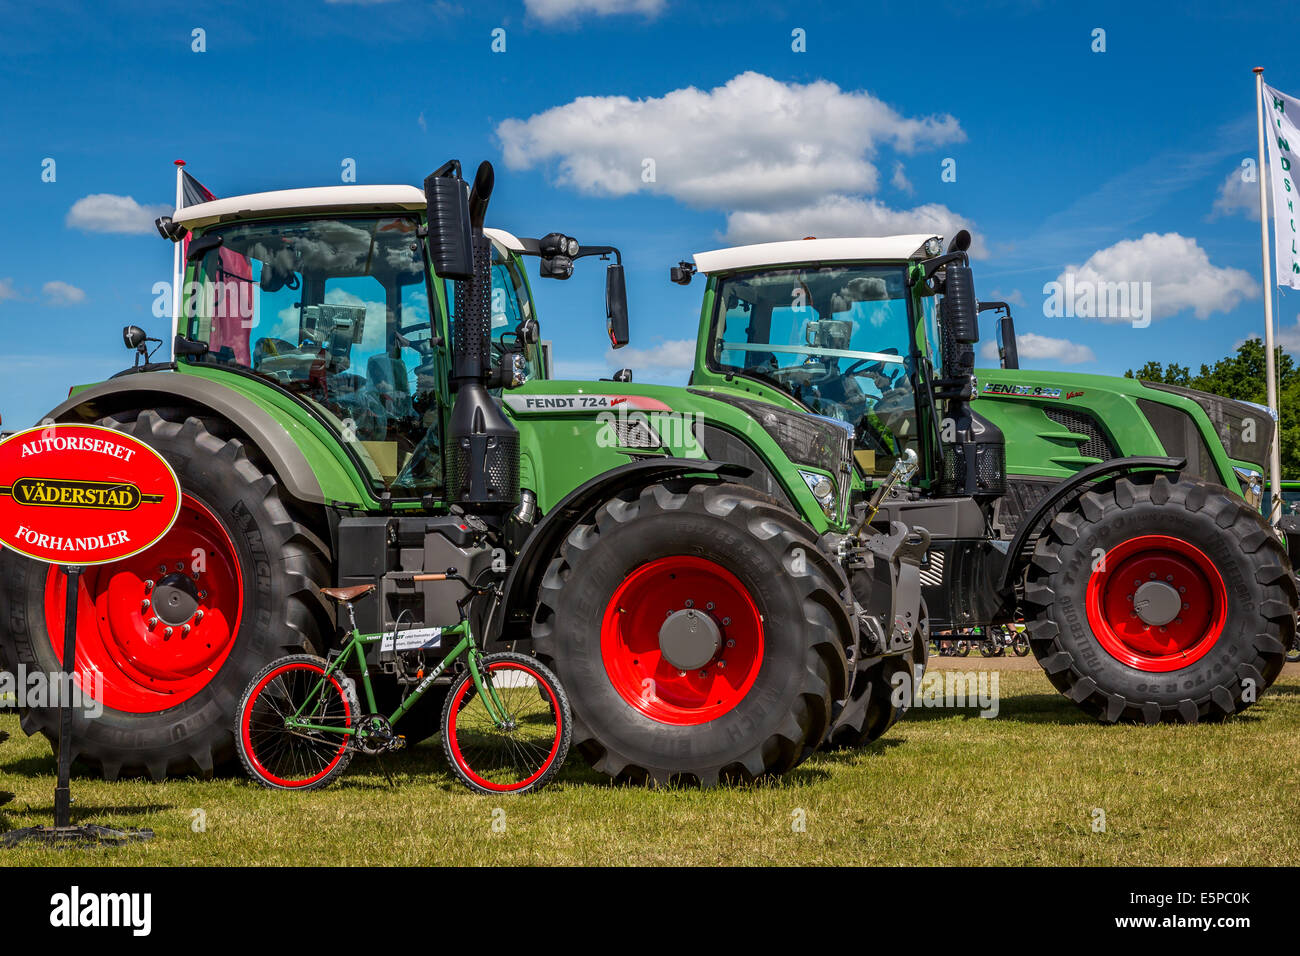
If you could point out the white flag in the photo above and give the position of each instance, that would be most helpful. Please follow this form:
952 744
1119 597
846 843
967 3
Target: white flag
1281 114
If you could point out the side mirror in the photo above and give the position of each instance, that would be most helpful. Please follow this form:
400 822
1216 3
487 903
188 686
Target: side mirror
451 248
1007 350
616 306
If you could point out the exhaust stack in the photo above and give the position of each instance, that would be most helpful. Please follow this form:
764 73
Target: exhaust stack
481 458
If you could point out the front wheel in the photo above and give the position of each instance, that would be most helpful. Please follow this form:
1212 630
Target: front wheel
512 738
1160 598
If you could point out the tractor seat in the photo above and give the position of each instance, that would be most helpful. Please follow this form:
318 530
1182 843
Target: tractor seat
348 594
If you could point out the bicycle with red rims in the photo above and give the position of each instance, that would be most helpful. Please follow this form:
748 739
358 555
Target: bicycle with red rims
506 723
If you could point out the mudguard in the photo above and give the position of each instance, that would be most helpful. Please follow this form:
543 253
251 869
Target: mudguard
1033 521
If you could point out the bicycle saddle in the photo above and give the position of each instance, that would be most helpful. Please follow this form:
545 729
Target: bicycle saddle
348 594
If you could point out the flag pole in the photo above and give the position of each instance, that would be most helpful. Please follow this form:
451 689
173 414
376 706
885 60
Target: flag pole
1270 370
178 275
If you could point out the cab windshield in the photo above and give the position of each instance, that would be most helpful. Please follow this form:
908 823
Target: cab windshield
335 310
837 338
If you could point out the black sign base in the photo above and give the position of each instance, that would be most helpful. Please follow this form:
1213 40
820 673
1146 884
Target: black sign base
63 832
88 834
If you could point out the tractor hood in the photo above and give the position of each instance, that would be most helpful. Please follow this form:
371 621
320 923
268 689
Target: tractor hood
1217 435
788 452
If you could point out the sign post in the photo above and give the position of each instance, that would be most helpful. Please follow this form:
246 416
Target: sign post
72 496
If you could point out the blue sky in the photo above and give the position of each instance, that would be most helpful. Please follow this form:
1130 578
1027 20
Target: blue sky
1118 163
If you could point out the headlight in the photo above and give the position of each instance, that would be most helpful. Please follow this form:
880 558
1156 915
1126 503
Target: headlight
822 488
806 439
1252 486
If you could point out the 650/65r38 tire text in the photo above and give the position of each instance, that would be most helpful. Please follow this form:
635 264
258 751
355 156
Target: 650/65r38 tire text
178 630
1160 598
699 633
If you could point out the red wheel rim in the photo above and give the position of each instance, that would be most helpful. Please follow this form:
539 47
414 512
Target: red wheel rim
1184 576
124 641
630 640
454 744
245 730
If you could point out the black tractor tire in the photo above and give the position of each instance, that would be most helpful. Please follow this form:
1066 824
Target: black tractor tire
1233 577
773 563
881 694
282 562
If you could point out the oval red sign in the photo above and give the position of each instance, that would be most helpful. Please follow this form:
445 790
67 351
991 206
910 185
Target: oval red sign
83 494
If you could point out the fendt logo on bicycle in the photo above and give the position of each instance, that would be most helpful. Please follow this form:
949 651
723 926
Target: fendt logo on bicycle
74 493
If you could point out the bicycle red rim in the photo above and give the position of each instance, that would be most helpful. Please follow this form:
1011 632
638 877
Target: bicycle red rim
1140 583
158 625
246 735
453 744
635 654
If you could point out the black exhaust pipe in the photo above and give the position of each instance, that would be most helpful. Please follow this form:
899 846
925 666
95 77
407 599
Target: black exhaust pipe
481 463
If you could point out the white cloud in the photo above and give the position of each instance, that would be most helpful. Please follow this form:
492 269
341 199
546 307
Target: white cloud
7 290
673 355
104 212
1030 345
551 11
1011 298
899 180
836 217
1287 338
1178 269
753 143
62 293
1237 197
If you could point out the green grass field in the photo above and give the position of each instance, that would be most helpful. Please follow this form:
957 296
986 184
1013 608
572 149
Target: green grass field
943 787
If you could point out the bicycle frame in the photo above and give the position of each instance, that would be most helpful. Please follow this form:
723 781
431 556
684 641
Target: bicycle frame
355 647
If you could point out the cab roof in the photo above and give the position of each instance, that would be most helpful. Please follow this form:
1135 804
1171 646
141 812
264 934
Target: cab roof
315 200
891 248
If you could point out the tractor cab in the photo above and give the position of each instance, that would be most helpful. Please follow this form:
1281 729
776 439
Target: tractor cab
328 294
828 322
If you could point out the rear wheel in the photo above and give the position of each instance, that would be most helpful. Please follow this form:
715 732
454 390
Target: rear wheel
178 630
1160 598
283 758
699 632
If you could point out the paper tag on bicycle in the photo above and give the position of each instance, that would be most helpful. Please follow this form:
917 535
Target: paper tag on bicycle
416 639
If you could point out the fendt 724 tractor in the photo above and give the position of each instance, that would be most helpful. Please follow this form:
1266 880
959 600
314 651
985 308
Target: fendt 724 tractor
356 394
1105 512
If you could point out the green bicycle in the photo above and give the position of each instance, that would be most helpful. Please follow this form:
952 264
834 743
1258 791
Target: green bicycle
506 723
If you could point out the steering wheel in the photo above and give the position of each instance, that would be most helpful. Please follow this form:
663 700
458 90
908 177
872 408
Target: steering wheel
872 367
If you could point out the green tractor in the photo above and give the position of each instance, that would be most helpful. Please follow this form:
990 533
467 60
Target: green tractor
1120 520
357 390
